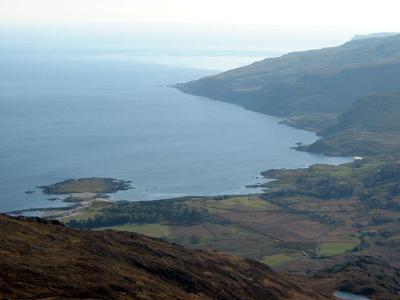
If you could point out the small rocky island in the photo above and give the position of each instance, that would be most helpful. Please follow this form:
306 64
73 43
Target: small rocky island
86 185
79 194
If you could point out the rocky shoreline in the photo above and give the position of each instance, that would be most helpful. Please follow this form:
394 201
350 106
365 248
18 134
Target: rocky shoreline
80 194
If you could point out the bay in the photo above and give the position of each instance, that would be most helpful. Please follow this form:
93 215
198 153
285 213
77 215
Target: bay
72 116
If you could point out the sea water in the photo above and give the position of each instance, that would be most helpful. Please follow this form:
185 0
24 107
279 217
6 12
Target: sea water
72 114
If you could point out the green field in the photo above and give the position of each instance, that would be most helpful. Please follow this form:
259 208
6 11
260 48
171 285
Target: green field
90 211
337 248
275 260
244 202
154 230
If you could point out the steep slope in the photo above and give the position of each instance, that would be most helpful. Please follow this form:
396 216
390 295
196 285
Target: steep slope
370 126
45 260
318 81
366 275
373 113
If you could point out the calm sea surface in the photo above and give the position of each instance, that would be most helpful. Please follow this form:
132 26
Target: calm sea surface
348 296
73 115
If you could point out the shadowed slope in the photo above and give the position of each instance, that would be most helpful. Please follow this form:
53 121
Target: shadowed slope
41 260
369 127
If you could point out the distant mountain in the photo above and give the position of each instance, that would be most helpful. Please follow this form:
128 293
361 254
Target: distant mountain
42 259
374 35
318 81
370 126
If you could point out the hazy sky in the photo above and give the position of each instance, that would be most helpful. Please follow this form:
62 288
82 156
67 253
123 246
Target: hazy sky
329 21
362 15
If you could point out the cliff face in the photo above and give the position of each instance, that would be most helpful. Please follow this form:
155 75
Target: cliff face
40 259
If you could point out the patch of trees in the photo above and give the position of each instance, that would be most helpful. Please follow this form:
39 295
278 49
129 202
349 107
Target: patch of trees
381 220
385 174
325 187
395 190
146 212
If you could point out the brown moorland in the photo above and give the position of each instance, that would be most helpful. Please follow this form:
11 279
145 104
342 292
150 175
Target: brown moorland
42 259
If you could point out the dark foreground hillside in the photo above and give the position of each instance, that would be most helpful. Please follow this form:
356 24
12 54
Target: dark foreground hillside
43 260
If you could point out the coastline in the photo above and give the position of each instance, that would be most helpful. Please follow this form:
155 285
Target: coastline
83 201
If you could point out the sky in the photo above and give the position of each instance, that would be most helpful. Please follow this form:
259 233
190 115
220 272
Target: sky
306 22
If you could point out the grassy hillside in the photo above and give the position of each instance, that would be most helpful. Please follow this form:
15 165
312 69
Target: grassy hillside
374 113
317 81
370 126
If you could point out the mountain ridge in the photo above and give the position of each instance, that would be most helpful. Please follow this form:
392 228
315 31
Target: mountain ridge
325 80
